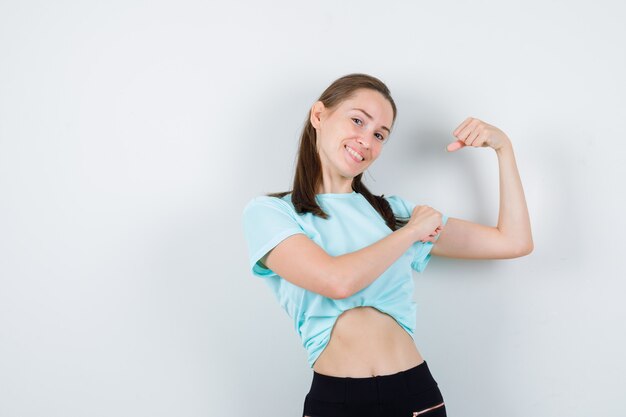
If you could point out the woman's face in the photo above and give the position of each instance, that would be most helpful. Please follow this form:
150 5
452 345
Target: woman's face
350 136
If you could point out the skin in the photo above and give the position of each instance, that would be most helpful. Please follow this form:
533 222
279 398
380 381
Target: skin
512 236
364 341
344 126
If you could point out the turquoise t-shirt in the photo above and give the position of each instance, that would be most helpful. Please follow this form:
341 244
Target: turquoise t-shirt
352 225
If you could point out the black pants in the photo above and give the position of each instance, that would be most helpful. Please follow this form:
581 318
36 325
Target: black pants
409 393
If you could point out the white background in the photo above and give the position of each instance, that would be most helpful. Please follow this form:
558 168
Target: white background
133 133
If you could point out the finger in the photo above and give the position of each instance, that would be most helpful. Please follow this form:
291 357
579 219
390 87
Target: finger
465 132
481 140
462 125
471 139
454 146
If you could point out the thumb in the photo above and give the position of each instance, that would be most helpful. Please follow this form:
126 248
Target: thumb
454 146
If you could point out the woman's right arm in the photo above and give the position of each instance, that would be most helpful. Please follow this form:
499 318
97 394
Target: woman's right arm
302 262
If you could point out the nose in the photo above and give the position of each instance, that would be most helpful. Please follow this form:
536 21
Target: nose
363 142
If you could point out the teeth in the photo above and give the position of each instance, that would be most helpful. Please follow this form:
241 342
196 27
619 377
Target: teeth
354 153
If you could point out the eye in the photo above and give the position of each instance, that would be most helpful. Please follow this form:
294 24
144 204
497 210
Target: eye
380 137
357 121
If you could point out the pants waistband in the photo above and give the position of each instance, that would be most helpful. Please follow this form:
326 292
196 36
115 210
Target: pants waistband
379 388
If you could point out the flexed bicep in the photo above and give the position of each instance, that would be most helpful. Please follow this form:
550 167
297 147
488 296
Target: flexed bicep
468 240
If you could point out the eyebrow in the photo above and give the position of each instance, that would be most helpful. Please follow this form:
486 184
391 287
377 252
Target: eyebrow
368 115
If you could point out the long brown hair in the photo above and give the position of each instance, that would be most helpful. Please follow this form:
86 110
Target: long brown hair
308 176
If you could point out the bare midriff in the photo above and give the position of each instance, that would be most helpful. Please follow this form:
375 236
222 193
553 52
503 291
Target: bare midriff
366 342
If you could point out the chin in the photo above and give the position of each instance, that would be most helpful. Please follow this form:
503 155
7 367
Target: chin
352 175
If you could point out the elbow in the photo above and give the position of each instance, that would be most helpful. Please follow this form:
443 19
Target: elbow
341 289
338 280
524 249
341 286
529 247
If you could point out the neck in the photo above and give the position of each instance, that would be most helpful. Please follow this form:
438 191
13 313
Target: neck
333 182
344 187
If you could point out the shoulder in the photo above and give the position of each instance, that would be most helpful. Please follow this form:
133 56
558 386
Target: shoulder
266 200
264 203
401 207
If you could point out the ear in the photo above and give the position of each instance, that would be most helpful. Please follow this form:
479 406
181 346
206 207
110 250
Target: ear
316 113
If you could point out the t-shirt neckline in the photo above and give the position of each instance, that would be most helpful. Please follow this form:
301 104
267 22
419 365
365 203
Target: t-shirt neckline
337 195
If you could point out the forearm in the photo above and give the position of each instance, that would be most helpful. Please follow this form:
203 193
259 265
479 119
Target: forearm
356 270
513 220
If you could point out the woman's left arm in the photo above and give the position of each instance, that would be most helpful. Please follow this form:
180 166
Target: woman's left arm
512 237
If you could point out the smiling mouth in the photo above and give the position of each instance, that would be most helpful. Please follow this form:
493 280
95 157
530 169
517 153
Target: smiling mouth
354 154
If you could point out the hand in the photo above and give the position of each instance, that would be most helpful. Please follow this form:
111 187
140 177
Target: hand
426 222
476 133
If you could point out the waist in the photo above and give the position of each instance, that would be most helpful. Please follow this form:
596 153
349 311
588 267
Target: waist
417 379
366 342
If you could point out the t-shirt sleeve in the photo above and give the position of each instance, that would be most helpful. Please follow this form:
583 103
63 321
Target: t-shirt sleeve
267 221
404 208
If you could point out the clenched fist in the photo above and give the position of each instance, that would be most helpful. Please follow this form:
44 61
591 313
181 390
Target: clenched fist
476 133
426 222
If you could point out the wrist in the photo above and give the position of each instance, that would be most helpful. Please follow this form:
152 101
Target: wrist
412 233
505 147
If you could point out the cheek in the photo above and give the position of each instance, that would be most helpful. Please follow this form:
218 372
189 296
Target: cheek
350 127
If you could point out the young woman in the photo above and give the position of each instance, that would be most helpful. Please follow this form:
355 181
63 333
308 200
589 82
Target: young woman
339 258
